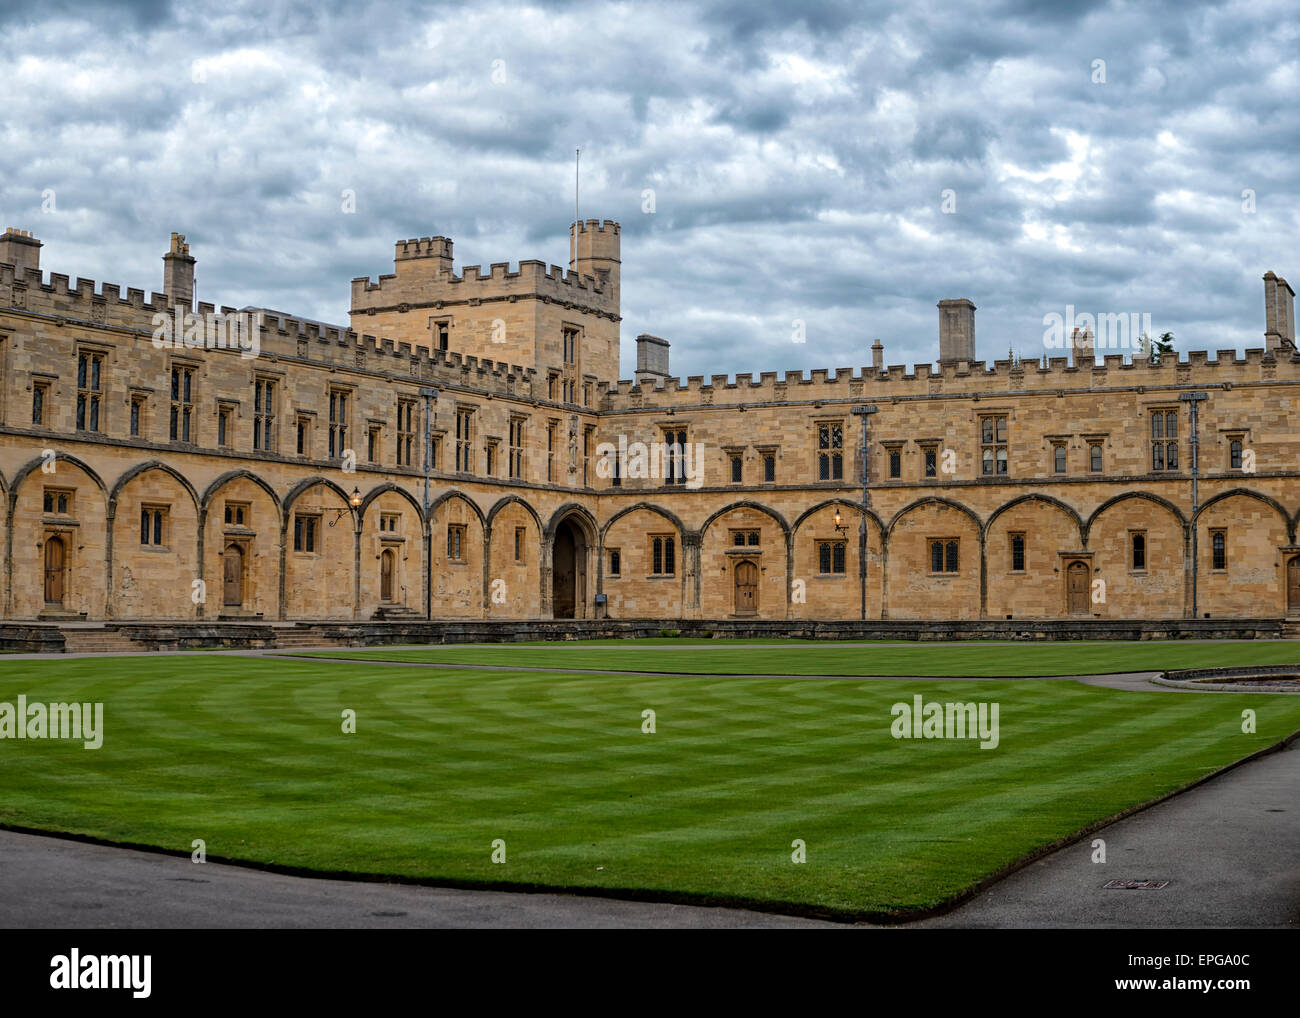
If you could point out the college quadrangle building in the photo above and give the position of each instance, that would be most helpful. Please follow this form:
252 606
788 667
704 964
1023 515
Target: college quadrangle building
136 461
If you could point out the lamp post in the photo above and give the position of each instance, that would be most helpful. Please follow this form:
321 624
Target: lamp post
864 412
1193 400
430 396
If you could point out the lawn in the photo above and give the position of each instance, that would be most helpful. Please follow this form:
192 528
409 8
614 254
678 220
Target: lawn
820 657
248 754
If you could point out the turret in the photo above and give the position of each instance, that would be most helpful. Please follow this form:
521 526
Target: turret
594 251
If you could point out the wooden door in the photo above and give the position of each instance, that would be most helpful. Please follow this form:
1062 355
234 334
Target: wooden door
746 588
386 575
1076 581
233 576
55 559
1293 584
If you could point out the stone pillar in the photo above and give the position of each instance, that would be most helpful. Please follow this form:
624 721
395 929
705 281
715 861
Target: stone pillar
691 545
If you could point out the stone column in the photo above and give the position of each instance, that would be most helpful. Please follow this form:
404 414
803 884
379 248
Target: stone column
691 576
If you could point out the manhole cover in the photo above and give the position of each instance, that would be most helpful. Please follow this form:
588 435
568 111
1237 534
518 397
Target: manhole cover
1134 885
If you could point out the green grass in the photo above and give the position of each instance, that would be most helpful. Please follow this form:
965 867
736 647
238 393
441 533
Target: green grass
708 657
247 754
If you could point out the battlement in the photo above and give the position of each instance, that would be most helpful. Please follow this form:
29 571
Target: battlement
598 226
423 247
280 336
532 278
960 379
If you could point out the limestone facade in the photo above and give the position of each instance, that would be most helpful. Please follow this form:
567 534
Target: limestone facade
148 478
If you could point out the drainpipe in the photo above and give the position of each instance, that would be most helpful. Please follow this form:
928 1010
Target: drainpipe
430 397
864 412
1193 399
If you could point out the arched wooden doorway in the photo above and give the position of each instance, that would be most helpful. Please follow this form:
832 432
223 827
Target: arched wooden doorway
56 559
1293 585
1076 585
386 563
232 576
746 579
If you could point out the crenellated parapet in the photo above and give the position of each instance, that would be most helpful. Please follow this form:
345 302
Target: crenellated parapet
966 379
414 287
133 312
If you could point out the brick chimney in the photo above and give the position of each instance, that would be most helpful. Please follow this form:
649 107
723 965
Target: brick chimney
878 356
1279 314
178 273
21 250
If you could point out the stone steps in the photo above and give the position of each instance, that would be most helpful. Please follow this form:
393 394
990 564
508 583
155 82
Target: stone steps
98 641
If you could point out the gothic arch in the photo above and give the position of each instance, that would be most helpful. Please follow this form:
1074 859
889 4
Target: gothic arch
671 517
387 486
1248 493
854 506
501 504
296 491
748 504
233 475
572 510
447 496
1148 496
144 468
936 500
35 464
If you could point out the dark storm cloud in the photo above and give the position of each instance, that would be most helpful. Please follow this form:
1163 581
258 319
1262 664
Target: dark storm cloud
798 157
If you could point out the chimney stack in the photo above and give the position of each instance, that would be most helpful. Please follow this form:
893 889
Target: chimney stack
21 250
651 360
1082 345
956 331
178 273
878 356
1279 314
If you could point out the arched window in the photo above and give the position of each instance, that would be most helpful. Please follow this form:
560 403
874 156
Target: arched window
1094 458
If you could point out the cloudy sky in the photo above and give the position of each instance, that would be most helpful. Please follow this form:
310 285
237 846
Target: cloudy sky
800 156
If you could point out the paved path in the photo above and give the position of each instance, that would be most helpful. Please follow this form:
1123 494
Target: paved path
54 883
1230 850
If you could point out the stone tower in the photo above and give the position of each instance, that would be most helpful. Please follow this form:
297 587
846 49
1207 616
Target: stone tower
565 324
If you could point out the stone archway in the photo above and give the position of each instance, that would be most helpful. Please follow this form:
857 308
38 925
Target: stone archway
569 555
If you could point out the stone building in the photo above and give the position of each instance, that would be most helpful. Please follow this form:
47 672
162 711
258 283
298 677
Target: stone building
166 460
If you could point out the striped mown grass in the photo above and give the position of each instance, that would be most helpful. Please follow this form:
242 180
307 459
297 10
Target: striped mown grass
248 755
819 657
